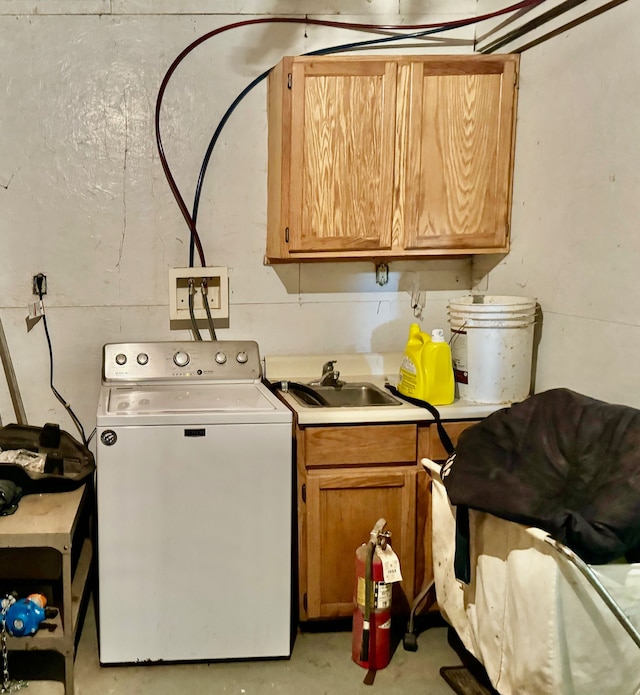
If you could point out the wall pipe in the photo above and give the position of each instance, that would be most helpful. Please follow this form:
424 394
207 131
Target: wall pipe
12 382
543 19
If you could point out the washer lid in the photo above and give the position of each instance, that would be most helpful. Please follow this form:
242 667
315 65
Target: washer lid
187 399
167 403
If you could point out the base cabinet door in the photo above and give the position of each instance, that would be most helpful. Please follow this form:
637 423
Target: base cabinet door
342 506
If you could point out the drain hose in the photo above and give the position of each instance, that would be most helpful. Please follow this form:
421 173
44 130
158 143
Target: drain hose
295 386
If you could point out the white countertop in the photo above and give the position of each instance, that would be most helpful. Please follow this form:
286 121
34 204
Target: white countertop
375 368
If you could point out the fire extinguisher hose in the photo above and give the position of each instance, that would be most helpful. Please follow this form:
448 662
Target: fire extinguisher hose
368 598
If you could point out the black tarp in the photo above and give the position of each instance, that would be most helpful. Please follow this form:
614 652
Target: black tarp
564 462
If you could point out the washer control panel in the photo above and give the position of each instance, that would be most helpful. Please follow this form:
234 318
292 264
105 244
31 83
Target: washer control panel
218 360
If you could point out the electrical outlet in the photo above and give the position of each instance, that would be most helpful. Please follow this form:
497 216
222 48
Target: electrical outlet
39 284
217 292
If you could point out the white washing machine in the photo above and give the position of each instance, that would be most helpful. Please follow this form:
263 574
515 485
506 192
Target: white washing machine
194 495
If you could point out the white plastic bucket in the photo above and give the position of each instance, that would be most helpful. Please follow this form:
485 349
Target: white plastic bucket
492 347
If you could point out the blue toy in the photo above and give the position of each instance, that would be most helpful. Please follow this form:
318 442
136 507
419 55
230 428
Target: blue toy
23 617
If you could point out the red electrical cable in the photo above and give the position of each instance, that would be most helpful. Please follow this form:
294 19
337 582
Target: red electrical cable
290 20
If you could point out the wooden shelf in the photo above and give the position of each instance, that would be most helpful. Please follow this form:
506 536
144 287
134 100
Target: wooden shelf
49 636
53 521
43 521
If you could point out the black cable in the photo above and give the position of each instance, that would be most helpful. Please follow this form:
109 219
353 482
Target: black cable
55 391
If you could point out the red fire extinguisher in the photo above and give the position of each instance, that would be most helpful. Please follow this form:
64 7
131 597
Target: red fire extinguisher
371 635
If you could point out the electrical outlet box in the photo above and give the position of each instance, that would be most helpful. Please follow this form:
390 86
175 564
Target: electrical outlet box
39 284
217 293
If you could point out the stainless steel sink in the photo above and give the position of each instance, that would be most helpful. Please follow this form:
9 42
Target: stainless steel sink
349 395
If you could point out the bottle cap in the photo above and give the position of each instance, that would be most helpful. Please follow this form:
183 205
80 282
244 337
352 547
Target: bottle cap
437 335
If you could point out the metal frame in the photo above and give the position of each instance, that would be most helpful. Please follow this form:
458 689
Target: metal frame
592 578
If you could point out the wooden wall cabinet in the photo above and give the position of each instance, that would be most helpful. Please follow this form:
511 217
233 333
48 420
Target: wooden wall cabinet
390 157
348 476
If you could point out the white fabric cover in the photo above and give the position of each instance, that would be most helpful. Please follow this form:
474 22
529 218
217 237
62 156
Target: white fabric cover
528 614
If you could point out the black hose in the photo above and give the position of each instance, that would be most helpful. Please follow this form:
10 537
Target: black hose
295 386
444 437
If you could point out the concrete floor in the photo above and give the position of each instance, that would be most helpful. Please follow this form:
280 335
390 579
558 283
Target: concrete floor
320 665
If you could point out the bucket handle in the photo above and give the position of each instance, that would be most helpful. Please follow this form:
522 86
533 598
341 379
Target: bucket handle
454 333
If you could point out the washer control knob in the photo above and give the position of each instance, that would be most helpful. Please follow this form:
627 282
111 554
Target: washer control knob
121 359
242 357
181 359
221 358
143 358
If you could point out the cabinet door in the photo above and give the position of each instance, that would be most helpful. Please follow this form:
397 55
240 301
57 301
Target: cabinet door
459 154
341 154
342 508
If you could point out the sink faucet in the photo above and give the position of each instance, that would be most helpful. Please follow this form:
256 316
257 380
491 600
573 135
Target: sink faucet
330 376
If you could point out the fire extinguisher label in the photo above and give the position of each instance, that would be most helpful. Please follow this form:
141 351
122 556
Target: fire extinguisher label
361 593
381 594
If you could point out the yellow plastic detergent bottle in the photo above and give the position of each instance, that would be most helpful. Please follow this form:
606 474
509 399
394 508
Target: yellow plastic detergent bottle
437 367
412 382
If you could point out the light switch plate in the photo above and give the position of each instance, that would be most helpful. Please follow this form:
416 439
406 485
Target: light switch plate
217 292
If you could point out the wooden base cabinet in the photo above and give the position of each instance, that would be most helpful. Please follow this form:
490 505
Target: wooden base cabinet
349 476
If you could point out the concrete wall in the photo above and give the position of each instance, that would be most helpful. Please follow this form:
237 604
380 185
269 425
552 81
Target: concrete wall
575 242
85 201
